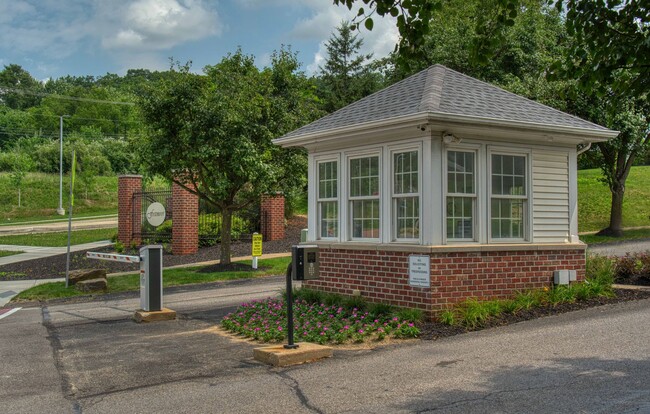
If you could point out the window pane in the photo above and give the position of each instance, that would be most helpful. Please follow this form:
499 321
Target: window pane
408 218
460 172
507 218
365 219
364 177
329 219
508 175
327 180
460 218
405 172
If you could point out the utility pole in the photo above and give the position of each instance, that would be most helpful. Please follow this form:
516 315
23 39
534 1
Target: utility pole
60 211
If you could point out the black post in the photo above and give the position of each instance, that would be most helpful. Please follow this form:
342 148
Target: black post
290 345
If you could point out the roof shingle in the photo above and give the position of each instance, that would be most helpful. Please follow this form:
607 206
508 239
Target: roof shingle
440 90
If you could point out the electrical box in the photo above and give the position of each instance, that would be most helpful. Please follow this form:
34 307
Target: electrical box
151 289
563 277
305 263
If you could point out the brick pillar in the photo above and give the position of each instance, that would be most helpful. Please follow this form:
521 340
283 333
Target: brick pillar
127 185
185 221
272 216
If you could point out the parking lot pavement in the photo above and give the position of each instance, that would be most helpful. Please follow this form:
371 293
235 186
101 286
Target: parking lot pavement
99 361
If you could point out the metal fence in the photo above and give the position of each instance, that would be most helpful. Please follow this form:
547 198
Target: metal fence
145 231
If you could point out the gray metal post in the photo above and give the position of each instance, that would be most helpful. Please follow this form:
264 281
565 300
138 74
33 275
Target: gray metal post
151 289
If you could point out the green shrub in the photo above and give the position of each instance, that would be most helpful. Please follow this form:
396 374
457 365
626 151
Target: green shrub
448 316
308 295
410 314
382 309
355 302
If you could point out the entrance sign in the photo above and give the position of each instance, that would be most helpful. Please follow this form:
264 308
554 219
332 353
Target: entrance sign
156 214
419 271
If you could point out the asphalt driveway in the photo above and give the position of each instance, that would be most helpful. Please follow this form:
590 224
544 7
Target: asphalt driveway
90 358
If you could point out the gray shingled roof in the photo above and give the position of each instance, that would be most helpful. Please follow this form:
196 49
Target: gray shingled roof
440 90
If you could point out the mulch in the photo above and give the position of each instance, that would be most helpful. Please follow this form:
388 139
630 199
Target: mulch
436 330
54 266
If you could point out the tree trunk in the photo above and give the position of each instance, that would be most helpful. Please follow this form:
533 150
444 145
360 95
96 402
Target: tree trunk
615 228
226 227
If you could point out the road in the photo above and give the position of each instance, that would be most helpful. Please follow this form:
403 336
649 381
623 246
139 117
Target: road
52 226
91 358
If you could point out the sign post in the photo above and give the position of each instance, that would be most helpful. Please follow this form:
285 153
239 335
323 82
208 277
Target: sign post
257 248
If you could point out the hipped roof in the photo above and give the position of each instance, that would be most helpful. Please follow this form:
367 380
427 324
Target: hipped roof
440 91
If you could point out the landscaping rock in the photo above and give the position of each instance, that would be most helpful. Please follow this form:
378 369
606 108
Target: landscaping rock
77 276
93 285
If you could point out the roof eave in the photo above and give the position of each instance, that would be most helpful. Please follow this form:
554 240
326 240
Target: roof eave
581 135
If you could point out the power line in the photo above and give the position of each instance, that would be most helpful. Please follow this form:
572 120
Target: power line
70 98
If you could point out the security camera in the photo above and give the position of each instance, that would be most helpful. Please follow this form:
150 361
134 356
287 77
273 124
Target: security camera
448 138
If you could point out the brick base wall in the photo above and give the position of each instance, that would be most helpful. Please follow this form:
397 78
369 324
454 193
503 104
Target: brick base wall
128 215
382 276
185 222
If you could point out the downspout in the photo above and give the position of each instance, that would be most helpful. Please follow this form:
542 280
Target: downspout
584 149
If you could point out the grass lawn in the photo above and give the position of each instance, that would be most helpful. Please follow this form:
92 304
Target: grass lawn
594 200
628 235
171 277
4 253
59 238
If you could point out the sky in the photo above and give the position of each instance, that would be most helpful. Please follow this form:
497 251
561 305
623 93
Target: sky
54 38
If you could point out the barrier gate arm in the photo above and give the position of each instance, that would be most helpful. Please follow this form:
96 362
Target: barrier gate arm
114 257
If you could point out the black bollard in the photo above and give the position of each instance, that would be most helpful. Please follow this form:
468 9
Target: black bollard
289 299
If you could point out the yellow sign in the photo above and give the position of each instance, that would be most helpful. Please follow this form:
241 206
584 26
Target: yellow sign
257 244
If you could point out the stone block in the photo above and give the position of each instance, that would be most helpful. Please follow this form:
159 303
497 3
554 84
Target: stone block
76 276
279 356
162 315
92 285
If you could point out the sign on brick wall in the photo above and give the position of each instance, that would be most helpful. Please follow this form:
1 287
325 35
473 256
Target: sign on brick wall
419 271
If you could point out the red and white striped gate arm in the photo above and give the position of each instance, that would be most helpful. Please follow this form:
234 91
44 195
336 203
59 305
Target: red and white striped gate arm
113 257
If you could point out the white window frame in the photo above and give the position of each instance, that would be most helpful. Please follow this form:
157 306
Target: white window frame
527 198
394 196
476 196
350 199
319 200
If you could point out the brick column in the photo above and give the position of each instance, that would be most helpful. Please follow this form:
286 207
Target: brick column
185 221
127 185
272 216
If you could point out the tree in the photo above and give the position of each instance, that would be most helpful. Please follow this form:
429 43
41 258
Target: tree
610 57
21 165
346 76
18 88
212 133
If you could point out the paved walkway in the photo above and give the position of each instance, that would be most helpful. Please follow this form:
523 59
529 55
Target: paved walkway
11 288
620 248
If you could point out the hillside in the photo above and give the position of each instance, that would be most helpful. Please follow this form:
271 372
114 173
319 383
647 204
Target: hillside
594 200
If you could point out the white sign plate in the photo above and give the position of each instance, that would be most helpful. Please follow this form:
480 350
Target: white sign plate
156 214
419 271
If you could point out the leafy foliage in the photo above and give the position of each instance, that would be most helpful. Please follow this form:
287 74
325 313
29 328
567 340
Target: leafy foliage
212 133
266 321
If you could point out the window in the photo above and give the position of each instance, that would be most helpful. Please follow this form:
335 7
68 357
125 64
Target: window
364 197
509 199
406 197
461 195
328 215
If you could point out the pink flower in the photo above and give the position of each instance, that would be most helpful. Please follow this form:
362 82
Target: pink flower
279 328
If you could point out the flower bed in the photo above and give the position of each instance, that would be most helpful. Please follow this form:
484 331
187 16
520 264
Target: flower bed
266 321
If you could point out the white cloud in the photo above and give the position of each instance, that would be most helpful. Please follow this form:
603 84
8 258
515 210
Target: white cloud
161 24
324 20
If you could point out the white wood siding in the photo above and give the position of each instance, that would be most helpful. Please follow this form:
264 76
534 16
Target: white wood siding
550 196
